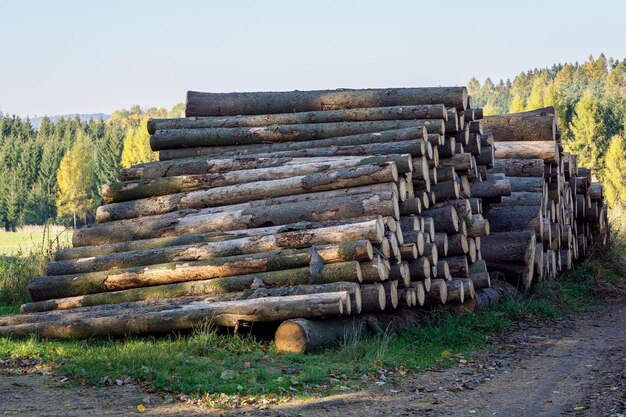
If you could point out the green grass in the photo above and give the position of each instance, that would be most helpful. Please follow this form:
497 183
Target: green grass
220 369
30 239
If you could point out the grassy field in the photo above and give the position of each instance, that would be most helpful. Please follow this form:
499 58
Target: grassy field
224 370
31 239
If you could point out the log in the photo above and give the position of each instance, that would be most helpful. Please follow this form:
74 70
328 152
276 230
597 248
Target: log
522 198
61 286
431 253
420 269
438 293
373 297
595 191
391 294
457 244
521 127
409 251
420 292
457 265
519 167
507 247
513 218
456 291
491 189
411 206
480 280
376 270
226 313
266 213
460 162
443 270
484 299
533 184
548 151
479 226
425 111
400 271
487 155
209 137
441 240
468 288
241 193
412 147
305 335
230 104
144 188
447 190
445 218
478 266
372 231
446 173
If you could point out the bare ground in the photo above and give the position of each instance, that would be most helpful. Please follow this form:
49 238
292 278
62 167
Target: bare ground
574 366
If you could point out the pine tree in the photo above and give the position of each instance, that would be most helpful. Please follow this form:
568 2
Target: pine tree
108 157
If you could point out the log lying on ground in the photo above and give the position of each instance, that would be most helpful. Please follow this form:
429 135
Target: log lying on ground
372 231
306 335
204 221
456 291
208 137
241 193
423 111
511 252
521 127
60 286
230 104
548 151
519 167
227 313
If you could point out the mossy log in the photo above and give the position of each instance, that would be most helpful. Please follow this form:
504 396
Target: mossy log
60 286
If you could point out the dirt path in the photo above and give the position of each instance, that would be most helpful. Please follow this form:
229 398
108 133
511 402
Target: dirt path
574 366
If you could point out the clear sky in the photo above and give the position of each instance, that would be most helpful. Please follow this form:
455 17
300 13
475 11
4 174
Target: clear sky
62 57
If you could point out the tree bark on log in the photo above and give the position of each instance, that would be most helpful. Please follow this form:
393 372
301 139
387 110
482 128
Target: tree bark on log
230 104
372 231
438 293
227 313
306 335
479 226
445 218
441 240
548 151
480 280
61 286
521 127
145 188
241 193
424 111
456 291
519 167
457 244
457 265
532 184
514 218
491 188
209 137
373 298
204 221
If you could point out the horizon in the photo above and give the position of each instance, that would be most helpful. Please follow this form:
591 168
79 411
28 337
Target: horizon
149 54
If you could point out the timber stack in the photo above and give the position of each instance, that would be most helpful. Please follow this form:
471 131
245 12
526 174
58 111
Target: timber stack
555 210
355 205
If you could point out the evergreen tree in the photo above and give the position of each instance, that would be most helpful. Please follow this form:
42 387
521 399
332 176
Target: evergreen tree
108 157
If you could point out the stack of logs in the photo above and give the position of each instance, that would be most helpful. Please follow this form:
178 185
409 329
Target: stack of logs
266 207
550 217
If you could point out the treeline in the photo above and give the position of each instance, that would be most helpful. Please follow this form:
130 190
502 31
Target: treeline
590 102
54 174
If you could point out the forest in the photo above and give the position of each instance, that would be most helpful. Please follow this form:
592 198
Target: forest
54 174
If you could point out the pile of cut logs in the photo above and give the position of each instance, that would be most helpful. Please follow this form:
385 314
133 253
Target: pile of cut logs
295 206
550 195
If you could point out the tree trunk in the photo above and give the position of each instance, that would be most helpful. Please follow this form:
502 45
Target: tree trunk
548 151
457 244
60 286
519 167
457 265
479 226
230 104
204 221
441 240
306 335
226 313
514 218
533 184
445 218
241 193
372 231
480 280
424 111
443 270
373 298
491 188
420 269
145 188
521 127
376 270
438 293
190 239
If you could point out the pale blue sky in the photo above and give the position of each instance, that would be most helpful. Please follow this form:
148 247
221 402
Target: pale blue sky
61 57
